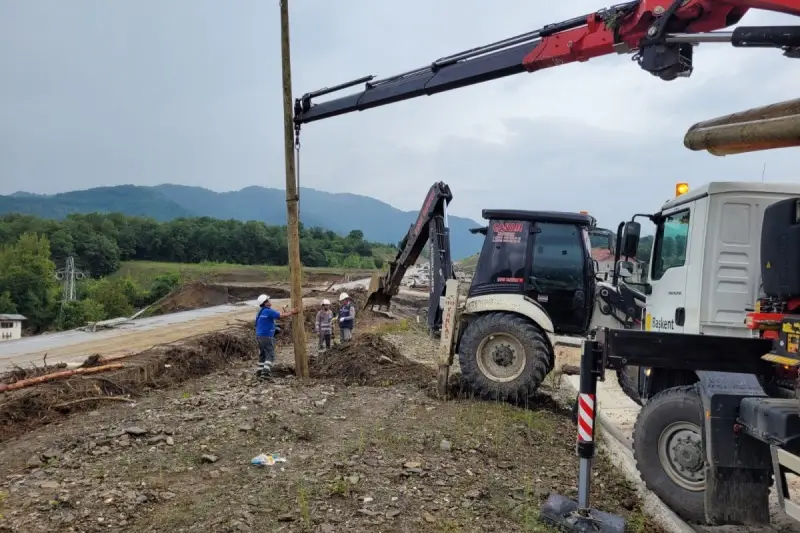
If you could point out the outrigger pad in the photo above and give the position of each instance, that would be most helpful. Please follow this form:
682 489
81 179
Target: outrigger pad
562 513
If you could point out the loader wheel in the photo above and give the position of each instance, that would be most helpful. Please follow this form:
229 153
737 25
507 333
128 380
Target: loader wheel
504 356
668 449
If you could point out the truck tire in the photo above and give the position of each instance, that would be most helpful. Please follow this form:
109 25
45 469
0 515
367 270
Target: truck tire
627 387
504 356
668 449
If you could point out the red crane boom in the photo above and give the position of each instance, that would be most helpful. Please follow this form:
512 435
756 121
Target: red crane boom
660 34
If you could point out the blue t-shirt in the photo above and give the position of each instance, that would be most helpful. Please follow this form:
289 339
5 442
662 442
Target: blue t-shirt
265 322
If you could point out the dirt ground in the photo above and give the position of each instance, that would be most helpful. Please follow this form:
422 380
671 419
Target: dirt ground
382 457
198 294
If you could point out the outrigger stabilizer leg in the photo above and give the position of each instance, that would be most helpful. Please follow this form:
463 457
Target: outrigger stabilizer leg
560 511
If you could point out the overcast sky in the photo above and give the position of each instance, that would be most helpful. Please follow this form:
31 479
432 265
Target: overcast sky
99 92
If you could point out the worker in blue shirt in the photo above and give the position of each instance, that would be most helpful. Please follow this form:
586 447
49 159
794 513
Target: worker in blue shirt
265 334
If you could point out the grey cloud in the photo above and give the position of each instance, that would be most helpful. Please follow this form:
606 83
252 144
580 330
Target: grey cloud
188 91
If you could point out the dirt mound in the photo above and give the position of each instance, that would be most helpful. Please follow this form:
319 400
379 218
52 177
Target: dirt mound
197 295
161 367
370 360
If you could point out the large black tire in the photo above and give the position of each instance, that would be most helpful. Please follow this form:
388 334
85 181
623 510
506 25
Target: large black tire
627 387
667 447
492 340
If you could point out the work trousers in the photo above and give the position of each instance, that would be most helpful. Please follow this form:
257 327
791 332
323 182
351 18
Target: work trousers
266 353
325 339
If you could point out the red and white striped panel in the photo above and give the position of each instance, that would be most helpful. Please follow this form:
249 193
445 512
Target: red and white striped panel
585 417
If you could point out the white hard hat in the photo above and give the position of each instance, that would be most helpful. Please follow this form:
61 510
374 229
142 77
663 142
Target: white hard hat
326 302
343 297
262 298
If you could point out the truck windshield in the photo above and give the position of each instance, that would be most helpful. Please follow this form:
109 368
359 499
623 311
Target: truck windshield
670 245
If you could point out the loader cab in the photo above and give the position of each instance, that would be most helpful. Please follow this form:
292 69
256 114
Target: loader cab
543 255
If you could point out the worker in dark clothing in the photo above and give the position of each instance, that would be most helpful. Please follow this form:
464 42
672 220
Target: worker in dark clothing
265 334
347 317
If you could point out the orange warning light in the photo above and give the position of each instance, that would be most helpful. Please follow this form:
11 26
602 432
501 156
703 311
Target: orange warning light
681 189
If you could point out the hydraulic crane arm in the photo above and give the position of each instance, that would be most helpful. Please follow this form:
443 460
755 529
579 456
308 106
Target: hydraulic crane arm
661 33
430 226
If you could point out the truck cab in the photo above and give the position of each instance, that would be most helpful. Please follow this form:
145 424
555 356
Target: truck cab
704 270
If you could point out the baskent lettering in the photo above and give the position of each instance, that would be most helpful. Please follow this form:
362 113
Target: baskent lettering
661 324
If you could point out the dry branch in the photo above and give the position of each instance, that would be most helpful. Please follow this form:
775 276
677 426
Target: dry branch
91 399
23 383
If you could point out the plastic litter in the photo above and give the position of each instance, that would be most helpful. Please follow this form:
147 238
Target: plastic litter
267 459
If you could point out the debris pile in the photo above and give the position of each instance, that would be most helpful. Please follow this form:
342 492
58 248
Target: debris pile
30 407
370 360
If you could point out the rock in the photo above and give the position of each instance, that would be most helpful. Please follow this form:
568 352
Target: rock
321 403
34 462
367 512
476 494
352 479
392 513
287 517
428 517
50 485
326 528
135 431
385 360
445 445
209 458
412 465
246 427
157 439
52 453
170 441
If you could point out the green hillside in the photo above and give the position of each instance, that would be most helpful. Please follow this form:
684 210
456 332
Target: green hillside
339 212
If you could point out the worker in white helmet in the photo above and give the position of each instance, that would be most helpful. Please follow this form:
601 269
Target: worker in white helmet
347 317
323 325
265 334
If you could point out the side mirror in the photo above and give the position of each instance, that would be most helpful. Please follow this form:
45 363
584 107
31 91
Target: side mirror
624 269
630 238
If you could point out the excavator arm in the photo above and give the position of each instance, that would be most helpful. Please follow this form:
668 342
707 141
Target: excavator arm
430 226
660 34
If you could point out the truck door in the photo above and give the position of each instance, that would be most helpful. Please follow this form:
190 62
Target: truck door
666 305
559 275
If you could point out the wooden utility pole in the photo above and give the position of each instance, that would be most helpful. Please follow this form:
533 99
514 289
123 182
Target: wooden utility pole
292 201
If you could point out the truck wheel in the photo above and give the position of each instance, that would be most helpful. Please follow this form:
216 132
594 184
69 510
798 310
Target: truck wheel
627 387
504 356
668 449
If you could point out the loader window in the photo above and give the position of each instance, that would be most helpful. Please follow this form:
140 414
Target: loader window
502 259
670 245
559 256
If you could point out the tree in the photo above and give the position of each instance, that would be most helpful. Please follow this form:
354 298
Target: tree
27 275
111 294
7 305
78 313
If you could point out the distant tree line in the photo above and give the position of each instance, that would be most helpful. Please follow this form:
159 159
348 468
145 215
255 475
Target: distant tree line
32 249
99 242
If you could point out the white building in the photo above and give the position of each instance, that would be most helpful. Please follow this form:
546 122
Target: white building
11 327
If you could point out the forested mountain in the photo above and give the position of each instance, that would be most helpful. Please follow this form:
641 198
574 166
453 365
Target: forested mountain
339 212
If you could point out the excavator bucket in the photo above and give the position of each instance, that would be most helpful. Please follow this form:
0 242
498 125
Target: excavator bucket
377 296
761 128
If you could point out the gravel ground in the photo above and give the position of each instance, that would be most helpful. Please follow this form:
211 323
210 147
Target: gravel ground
386 458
